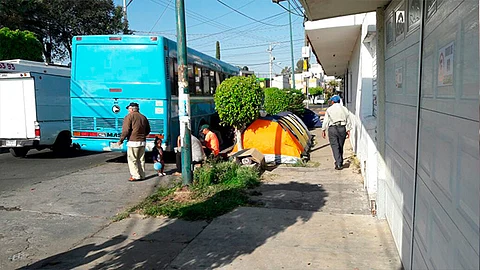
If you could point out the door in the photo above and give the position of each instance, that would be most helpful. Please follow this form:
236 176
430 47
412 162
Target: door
17 108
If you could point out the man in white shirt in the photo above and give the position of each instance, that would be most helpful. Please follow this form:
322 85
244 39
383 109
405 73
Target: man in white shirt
337 121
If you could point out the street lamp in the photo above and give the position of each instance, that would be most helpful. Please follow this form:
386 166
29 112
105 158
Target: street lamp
291 38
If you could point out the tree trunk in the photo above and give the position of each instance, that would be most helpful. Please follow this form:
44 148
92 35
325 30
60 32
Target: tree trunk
238 138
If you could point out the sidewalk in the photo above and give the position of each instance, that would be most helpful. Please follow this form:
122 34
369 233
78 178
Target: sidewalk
313 217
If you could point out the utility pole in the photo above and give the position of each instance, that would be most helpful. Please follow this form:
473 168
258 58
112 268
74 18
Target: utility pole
306 56
269 50
291 37
183 95
291 44
125 11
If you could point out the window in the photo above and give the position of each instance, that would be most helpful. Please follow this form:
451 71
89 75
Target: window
191 80
174 76
198 81
206 81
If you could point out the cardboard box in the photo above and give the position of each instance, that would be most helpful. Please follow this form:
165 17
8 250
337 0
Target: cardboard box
249 157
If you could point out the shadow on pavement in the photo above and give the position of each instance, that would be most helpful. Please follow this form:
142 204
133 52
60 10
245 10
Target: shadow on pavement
158 243
320 147
48 154
169 157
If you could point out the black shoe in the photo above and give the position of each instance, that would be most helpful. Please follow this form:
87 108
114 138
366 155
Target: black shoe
338 167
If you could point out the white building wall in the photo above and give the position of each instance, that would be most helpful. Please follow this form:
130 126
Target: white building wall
360 100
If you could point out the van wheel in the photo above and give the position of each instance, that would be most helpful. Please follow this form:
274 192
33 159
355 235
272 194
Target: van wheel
19 152
62 144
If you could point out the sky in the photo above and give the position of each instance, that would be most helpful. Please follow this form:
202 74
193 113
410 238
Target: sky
244 38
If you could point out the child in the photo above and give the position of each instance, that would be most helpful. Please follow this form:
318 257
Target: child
158 157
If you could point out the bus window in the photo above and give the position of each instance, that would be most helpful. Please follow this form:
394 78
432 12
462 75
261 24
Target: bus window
206 81
218 78
174 76
191 80
198 81
213 82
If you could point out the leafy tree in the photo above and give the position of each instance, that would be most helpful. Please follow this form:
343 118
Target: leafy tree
238 101
217 53
281 100
19 45
55 22
315 91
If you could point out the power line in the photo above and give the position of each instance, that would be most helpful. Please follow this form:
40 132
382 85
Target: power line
256 64
245 15
204 19
228 30
294 13
216 18
161 15
250 46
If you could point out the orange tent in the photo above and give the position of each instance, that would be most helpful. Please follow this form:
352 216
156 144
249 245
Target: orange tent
276 142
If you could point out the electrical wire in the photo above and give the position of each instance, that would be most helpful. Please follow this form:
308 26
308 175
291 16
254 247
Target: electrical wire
228 30
161 15
214 19
250 46
204 19
289 11
245 15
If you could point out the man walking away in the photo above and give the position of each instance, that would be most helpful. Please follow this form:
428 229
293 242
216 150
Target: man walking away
135 129
338 122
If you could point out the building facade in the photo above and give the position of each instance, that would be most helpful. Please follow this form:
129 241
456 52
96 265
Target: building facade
411 80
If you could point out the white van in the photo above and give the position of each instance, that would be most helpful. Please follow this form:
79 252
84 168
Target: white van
34 107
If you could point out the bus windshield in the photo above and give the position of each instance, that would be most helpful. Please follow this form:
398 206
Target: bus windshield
117 63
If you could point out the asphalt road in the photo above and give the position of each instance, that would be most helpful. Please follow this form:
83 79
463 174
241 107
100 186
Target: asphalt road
41 166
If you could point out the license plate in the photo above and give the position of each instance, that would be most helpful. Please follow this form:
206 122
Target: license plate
114 145
11 143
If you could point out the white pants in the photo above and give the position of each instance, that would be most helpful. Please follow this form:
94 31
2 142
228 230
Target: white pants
136 161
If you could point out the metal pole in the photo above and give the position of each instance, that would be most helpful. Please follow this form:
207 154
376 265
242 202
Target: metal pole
183 95
124 11
291 44
270 63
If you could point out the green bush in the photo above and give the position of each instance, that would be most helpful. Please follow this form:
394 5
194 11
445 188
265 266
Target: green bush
218 188
280 100
226 173
19 45
238 100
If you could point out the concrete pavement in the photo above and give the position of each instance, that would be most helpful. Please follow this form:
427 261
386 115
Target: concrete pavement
311 218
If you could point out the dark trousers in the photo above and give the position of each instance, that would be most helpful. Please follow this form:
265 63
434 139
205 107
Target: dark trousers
178 161
337 136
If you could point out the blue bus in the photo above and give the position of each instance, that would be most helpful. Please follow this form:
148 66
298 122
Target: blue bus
109 72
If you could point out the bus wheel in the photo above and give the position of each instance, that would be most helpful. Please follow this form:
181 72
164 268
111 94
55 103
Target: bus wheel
19 152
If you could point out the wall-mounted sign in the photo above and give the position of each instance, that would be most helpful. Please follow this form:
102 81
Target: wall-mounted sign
398 77
445 65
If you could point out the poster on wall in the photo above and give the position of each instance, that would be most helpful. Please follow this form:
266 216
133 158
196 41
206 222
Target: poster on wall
389 30
445 65
413 14
398 77
399 24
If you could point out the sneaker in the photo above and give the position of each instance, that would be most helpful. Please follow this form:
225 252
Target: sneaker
163 174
